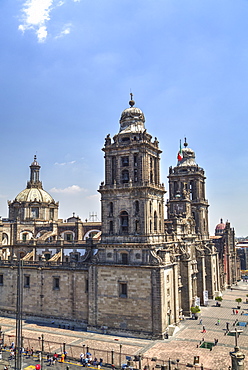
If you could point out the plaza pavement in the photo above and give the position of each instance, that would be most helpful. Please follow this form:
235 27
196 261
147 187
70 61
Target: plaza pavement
184 345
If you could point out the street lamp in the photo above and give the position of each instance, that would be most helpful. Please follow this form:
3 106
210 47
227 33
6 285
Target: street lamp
19 302
120 354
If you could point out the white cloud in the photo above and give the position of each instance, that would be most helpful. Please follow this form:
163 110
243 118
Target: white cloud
64 163
65 31
36 14
74 189
93 196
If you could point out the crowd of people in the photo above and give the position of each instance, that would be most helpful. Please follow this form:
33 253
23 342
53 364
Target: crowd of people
86 360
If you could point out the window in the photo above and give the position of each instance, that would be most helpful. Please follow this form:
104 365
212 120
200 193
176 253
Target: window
135 160
1 279
135 175
69 237
123 290
124 161
160 209
168 292
47 256
136 207
137 227
111 227
125 139
86 285
26 281
56 281
125 176
155 221
113 167
168 278
35 212
111 209
24 237
51 213
124 258
137 255
151 177
124 222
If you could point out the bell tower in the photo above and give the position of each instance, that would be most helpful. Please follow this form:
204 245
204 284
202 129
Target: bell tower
132 196
34 175
187 192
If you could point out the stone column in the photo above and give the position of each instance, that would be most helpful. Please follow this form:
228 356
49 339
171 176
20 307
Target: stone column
237 359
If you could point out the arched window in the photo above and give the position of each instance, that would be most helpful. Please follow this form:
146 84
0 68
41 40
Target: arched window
111 209
150 208
155 221
125 176
160 209
150 226
136 207
124 222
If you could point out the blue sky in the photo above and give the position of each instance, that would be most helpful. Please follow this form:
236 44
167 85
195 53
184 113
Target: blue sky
66 70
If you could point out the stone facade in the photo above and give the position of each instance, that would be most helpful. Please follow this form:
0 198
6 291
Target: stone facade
224 241
142 272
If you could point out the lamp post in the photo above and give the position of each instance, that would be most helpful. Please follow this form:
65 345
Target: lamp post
178 363
19 302
120 355
42 350
112 358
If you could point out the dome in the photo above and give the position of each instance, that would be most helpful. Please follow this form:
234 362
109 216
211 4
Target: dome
132 119
35 163
34 194
188 157
220 226
219 229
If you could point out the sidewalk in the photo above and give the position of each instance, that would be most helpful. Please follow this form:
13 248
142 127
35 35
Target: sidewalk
183 346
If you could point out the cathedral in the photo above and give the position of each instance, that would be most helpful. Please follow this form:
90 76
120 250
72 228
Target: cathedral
135 273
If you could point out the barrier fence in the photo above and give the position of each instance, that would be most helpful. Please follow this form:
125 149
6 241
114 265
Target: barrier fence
114 358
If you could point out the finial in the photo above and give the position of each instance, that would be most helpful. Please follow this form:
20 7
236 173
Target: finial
132 102
35 157
185 142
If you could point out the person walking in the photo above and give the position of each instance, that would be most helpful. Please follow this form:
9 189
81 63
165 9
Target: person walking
204 329
200 322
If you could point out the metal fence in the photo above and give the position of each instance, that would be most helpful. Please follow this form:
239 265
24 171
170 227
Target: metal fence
111 358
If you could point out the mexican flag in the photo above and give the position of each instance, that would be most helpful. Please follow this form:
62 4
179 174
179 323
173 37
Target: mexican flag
180 153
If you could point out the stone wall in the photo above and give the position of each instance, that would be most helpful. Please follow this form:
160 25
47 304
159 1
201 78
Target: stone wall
42 297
